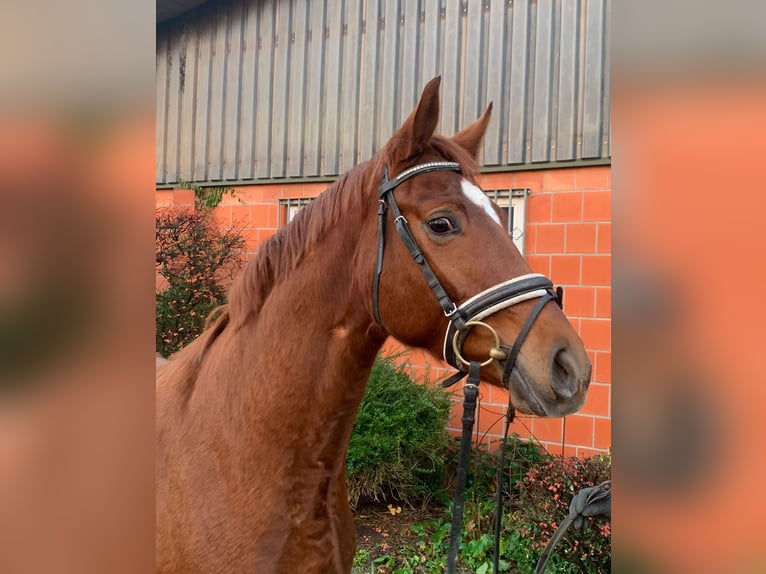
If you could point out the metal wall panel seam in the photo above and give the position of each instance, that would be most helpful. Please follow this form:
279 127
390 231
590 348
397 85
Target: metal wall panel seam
173 109
350 86
333 72
315 90
190 43
249 85
553 108
218 95
297 110
280 90
233 101
388 102
530 85
451 79
495 73
264 99
566 128
541 98
202 113
430 39
472 63
408 63
594 80
503 117
606 106
517 104
161 109
368 79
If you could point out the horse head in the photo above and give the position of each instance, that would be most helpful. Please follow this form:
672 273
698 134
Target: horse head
462 236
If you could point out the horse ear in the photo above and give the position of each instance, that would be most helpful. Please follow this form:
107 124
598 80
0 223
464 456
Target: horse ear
470 138
415 133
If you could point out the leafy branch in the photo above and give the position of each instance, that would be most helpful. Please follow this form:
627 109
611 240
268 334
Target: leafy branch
206 198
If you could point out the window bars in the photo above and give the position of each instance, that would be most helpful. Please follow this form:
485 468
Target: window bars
514 203
288 209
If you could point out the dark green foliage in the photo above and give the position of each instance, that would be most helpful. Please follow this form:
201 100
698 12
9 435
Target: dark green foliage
206 198
397 447
196 260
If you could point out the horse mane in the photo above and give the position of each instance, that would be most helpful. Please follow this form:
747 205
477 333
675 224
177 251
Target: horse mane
283 252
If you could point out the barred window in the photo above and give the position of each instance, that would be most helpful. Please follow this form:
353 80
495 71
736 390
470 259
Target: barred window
513 202
288 208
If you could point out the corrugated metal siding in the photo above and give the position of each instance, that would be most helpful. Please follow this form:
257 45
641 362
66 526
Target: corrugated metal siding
288 88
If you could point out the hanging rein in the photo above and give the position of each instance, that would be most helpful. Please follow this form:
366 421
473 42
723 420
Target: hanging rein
462 319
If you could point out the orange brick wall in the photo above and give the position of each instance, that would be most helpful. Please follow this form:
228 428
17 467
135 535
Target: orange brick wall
568 238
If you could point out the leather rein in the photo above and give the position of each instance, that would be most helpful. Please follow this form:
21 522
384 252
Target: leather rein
462 319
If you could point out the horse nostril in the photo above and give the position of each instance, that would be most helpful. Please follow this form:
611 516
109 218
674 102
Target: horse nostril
564 374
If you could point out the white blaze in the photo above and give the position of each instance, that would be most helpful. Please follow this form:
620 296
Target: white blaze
478 197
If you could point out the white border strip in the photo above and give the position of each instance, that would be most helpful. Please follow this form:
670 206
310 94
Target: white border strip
498 306
508 303
495 287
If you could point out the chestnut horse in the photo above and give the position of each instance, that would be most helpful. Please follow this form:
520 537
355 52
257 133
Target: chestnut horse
254 417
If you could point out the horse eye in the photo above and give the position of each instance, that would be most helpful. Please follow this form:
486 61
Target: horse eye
440 226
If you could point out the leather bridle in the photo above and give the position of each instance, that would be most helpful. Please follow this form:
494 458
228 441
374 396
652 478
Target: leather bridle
386 201
471 312
461 320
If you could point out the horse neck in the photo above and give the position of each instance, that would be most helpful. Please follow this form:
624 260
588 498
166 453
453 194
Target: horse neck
297 373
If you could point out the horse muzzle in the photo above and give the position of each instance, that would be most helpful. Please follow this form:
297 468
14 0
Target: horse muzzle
561 393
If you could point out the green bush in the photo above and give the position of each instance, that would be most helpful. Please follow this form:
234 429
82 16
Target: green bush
397 446
196 260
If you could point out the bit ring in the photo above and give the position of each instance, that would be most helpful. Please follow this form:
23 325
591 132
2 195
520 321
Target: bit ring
494 352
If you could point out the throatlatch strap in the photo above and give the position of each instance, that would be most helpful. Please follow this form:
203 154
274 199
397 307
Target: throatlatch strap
470 392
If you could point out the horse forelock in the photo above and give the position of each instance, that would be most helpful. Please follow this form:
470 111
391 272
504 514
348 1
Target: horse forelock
451 151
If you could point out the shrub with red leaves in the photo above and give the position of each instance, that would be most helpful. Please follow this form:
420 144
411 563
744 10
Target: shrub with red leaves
542 499
196 261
